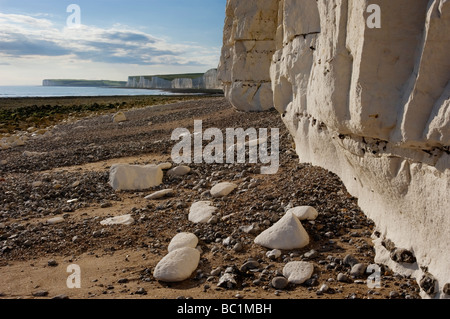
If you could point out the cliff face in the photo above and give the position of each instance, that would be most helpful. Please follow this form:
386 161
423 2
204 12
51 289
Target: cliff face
370 104
207 81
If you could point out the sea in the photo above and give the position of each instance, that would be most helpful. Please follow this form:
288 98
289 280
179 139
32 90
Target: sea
59 91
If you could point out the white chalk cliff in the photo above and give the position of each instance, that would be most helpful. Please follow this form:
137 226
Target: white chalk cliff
369 104
207 81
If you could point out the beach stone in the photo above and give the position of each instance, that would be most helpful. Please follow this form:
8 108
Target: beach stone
201 212
119 220
273 254
55 220
288 233
228 280
304 212
124 177
297 272
179 171
222 189
160 194
40 293
178 265
182 240
119 117
350 260
279 282
341 277
358 270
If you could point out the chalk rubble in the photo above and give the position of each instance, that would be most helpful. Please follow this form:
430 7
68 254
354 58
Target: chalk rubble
178 265
287 233
124 177
201 212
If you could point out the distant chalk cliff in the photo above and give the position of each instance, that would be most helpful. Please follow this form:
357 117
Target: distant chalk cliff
205 81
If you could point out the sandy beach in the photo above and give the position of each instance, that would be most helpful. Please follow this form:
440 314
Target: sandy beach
62 170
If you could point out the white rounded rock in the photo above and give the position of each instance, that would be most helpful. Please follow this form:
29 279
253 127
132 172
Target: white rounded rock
297 272
287 233
183 240
160 194
124 177
201 212
55 220
119 220
304 212
178 265
179 171
222 189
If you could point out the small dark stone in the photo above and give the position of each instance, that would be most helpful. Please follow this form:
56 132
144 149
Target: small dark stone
61 297
52 263
394 294
123 281
141 291
446 289
279 282
350 260
428 284
402 256
40 293
343 277
252 264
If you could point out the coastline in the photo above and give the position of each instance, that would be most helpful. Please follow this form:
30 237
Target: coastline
63 172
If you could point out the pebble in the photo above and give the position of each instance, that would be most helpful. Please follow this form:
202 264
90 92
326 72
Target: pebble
216 272
228 280
52 263
279 282
273 254
297 272
358 270
238 247
160 194
55 220
201 212
179 171
119 220
311 254
249 265
341 277
222 189
40 293
350 260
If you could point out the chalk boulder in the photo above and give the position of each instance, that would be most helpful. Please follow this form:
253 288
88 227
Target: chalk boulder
124 177
183 240
304 212
119 220
178 265
201 212
287 233
297 272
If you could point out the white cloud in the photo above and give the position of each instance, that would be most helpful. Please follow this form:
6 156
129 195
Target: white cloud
24 36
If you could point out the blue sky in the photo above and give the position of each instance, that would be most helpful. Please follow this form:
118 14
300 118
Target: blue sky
114 40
